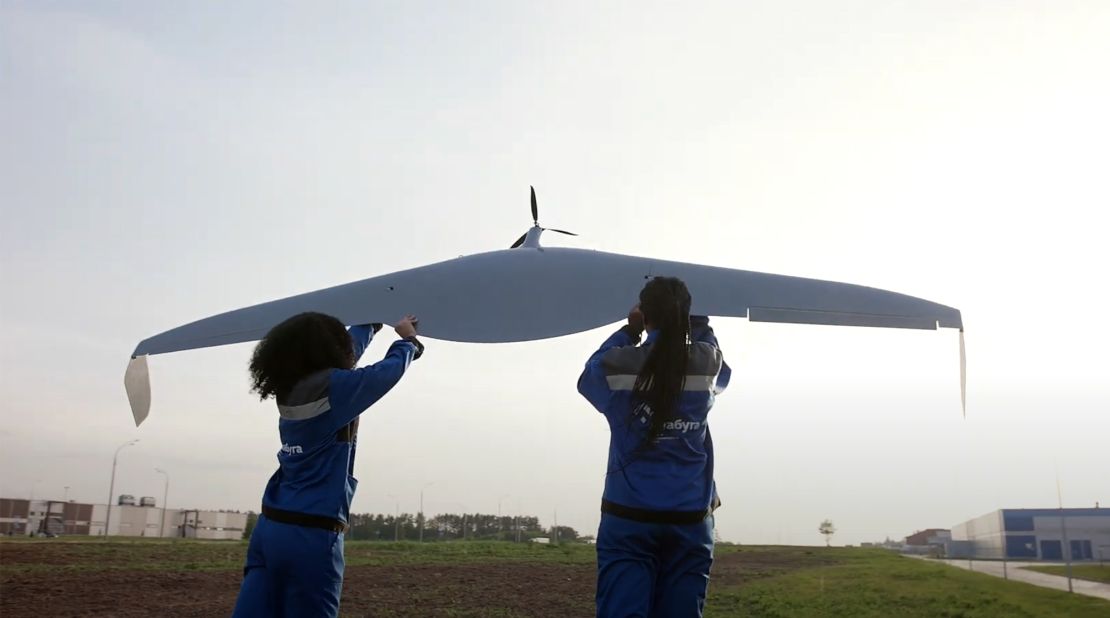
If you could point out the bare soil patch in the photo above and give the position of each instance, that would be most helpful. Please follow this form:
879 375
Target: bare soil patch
83 579
739 566
402 591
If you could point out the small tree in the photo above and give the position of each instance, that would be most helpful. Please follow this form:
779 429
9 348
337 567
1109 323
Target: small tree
563 534
828 529
252 521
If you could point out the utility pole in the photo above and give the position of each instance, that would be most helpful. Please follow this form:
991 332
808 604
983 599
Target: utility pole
165 506
971 544
500 527
516 521
426 485
112 485
65 503
31 505
1005 547
1064 530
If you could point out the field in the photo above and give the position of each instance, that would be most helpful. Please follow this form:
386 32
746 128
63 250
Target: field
181 578
1092 572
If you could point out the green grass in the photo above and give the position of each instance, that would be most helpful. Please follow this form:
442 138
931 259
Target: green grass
188 555
1092 572
454 552
91 554
874 583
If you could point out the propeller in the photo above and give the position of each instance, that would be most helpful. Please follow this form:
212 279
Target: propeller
536 222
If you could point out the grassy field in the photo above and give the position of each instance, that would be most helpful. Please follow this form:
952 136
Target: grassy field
188 578
1092 572
859 582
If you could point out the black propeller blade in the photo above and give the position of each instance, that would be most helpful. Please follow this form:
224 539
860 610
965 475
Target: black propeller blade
536 222
535 209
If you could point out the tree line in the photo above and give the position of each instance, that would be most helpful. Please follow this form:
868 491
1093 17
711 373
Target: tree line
448 527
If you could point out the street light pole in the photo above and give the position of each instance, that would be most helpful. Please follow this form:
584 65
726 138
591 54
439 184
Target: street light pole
112 485
426 485
165 498
1064 530
516 520
1005 544
30 505
65 504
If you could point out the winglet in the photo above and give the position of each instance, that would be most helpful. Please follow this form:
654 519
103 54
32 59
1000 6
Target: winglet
963 375
136 380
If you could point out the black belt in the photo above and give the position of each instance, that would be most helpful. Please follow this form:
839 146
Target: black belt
654 517
304 520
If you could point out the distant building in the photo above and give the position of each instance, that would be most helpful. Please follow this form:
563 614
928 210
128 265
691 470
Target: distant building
212 525
20 517
1034 534
931 541
932 536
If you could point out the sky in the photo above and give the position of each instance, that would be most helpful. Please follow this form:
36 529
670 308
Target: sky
160 163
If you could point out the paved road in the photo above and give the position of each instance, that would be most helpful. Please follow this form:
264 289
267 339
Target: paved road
1081 586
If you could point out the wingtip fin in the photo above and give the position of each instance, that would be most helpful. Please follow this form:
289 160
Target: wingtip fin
136 381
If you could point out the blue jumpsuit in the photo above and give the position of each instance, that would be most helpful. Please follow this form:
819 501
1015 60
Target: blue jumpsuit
655 541
296 569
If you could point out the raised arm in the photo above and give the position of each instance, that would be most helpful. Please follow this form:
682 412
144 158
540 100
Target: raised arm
592 383
361 336
701 331
355 390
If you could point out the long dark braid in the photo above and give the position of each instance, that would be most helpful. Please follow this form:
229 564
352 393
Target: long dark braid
665 303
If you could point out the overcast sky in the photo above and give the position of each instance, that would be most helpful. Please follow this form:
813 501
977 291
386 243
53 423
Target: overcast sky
161 162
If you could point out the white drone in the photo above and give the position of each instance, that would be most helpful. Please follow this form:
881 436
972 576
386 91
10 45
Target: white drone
530 292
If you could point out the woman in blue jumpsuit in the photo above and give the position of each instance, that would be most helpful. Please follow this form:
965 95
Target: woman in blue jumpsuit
294 561
655 542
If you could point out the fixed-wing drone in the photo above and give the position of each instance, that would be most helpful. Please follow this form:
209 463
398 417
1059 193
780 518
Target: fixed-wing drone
530 292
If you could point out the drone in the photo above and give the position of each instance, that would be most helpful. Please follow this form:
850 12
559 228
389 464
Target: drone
530 292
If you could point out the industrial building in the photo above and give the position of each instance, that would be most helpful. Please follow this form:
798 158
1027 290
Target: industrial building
20 517
927 542
1034 534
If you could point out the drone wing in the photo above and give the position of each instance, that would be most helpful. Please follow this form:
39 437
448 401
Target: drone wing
536 293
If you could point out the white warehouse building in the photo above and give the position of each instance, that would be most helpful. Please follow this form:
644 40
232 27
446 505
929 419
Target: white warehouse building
1034 534
28 517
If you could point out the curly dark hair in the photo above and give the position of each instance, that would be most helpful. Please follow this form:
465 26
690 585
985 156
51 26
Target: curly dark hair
296 348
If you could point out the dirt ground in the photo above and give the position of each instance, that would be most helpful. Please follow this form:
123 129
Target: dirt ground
516 590
476 589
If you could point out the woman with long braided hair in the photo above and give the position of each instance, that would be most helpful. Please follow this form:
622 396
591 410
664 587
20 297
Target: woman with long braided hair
655 542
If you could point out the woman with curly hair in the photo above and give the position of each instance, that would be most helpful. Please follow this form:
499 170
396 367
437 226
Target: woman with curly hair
655 541
294 563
